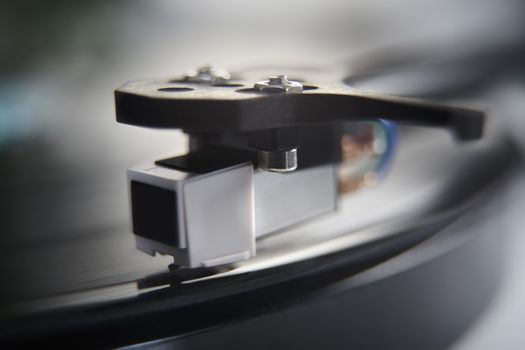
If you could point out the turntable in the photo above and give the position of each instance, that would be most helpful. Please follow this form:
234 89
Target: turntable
306 211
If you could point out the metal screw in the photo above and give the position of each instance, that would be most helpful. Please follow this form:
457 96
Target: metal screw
208 75
281 161
279 83
278 80
278 161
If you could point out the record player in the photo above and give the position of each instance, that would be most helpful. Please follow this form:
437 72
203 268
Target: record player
270 211
340 205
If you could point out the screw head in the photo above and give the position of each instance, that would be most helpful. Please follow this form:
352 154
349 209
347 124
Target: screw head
208 75
279 83
278 80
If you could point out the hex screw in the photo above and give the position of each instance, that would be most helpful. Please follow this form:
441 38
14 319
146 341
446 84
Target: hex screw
208 75
279 83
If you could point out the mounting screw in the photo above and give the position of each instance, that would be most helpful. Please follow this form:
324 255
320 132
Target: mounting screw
279 83
208 75
283 161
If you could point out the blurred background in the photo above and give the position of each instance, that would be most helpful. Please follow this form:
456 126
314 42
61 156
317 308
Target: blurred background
63 156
